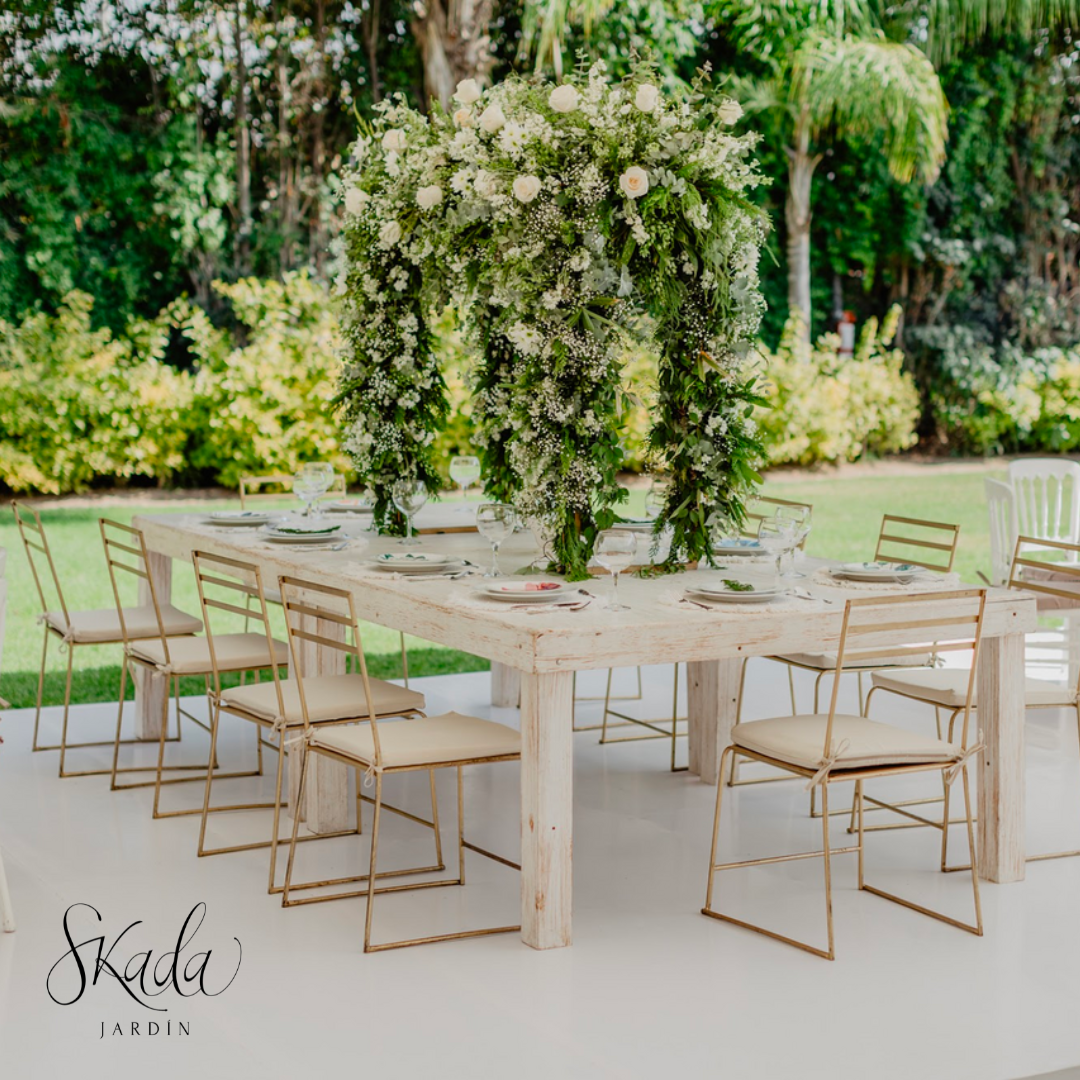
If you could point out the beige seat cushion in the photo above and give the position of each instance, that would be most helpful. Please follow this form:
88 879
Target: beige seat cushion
1062 580
827 661
329 697
428 741
234 652
103 627
948 687
800 740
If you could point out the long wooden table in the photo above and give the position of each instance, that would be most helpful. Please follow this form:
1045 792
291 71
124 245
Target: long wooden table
535 655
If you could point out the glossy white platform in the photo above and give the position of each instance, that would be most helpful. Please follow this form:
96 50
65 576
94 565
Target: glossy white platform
650 987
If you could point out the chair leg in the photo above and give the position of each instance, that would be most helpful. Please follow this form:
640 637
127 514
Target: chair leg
41 688
791 689
277 811
369 914
675 720
119 721
305 756
827 853
607 707
67 709
7 912
435 818
215 720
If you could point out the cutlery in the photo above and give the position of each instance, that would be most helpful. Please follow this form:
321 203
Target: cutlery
802 594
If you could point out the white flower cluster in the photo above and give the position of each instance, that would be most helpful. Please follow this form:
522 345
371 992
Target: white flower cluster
555 216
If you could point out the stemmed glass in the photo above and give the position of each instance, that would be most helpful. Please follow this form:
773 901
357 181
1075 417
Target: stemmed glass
464 471
409 497
776 536
614 551
800 517
311 481
495 522
655 501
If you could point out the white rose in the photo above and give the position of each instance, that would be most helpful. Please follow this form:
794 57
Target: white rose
486 184
354 200
634 182
563 98
394 140
526 188
646 97
729 112
463 118
427 197
467 92
491 119
390 234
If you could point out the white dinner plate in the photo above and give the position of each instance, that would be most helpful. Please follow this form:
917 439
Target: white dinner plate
719 591
240 517
740 546
527 592
302 541
878 571
414 562
351 506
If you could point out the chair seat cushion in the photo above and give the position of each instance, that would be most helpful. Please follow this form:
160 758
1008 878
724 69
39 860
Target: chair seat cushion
430 740
234 652
948 687
827 661
799 740
1050 578
329 697
103 627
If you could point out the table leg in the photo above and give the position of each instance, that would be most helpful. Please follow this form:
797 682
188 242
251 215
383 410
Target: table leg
712 701
1001 764
505 686
326 801
547 771
150 687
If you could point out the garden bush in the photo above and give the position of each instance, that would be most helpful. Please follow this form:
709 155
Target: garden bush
824 407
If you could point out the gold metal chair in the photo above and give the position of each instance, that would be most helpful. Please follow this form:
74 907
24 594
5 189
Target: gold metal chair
173 658
274 706
7 910
754 519
76 628
838 748
251 493
1050 580
377 749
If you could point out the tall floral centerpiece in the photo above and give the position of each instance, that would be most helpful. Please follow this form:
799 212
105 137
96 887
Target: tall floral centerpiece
565 222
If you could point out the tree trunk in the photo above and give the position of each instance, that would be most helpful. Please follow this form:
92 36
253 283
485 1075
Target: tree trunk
801 166
369 30
454 43
243 150
318 238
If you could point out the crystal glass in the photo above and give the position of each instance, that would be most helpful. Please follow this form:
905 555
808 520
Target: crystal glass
800 517
312 481
495 522
615 551
777 537
464 471
655 501
409 497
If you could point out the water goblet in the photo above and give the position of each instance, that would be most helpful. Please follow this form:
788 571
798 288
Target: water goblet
409 496
800 516
614 551
318 479
655 501
495 522
464 471
776 536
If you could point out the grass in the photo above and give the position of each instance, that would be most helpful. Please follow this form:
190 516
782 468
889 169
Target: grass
847 516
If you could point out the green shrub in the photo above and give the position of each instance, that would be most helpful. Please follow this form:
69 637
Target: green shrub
828 408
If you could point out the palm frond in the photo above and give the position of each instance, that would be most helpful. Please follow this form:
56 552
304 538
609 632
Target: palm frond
869 85
951 22
544 24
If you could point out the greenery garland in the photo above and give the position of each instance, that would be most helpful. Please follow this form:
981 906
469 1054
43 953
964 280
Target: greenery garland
564 222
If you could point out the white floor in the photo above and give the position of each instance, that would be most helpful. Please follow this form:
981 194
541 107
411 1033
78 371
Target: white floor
649 988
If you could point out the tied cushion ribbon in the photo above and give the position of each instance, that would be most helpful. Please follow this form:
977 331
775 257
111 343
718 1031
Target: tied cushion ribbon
826 765
957 767
309 734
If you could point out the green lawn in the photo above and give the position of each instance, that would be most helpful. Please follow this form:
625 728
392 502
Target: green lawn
847 516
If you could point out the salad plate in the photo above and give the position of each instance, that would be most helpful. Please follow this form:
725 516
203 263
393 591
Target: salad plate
729 590
528 592
241 517
414 562
739 545
878 571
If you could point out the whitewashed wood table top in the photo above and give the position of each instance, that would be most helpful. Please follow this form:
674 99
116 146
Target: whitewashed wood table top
653 631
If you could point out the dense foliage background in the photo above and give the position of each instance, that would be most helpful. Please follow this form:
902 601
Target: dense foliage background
159 156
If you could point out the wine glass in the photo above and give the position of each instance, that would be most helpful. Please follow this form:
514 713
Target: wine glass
655 501
409 497
464 471
495 522
315 479
615 552
800 516
776 536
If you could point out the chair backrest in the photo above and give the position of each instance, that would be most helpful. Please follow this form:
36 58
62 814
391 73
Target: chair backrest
929 544
251 493
127 559
900 626
325 617
39 555
1001 505
1048 568
1047 494
754 519
229 585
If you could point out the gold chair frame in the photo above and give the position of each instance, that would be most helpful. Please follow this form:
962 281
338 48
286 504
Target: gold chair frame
891 624
125 552
32 533
891 547
249 488
345 618
1067 570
